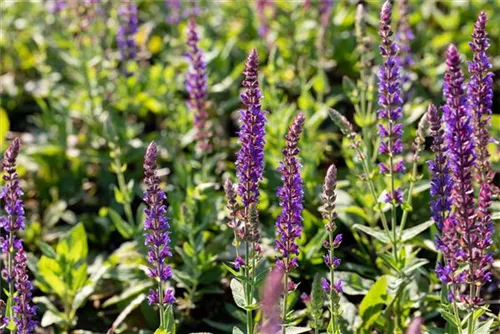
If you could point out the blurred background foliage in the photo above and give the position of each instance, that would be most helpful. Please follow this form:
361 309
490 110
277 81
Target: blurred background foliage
85 126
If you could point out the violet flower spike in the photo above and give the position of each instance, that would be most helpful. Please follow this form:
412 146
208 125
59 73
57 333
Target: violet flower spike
157 236
15 271
263 7
390 102
250 158
24 310
291 193
196 85
441 183
125 38
461 151
481 96
330 286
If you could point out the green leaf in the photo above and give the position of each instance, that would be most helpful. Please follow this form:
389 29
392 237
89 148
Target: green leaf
188 249
4 127
450 317
121 225
416 230
127 310
73 247
133 290
297 330
372 304
414 265
48 250
119 197
49 276
317 295
236 330
161 331
238 293
374 232
350 89
485 328
52 318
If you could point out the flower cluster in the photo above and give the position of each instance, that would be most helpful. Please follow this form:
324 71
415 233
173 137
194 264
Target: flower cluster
125 38
15 271
56 6
25 311
196 85
289 222
480 97
156 225
250 160
390 102
263 7
441 182
328 198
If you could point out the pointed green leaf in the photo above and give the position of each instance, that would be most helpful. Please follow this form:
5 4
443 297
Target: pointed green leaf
122 227
374 232
372 304
416 230
238 293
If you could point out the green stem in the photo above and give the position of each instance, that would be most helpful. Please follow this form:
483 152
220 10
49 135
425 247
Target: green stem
408 199
247 288
285 297
373 192
124 190
332 281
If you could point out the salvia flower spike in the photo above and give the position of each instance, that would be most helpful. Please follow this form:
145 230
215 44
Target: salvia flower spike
125 38
250 159
332 288
174 8
15 271
325 10
196 85
441 183
480 97
289 223
389 92
157 235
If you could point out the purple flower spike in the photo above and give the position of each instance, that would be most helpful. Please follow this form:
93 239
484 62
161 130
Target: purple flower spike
289 223
196 85
441 183
250 160
25 311
13 221
125 38
481 96
156 225
389 92
15 271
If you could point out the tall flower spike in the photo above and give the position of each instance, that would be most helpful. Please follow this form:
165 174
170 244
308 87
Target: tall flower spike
25 311
441 183
404 37
125 38
250 159
263 8
389 92
481 96
156 225
196 85
330 286
15 271
289 222
461 161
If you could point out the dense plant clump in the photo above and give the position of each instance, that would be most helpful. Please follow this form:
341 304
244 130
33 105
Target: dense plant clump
379 221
